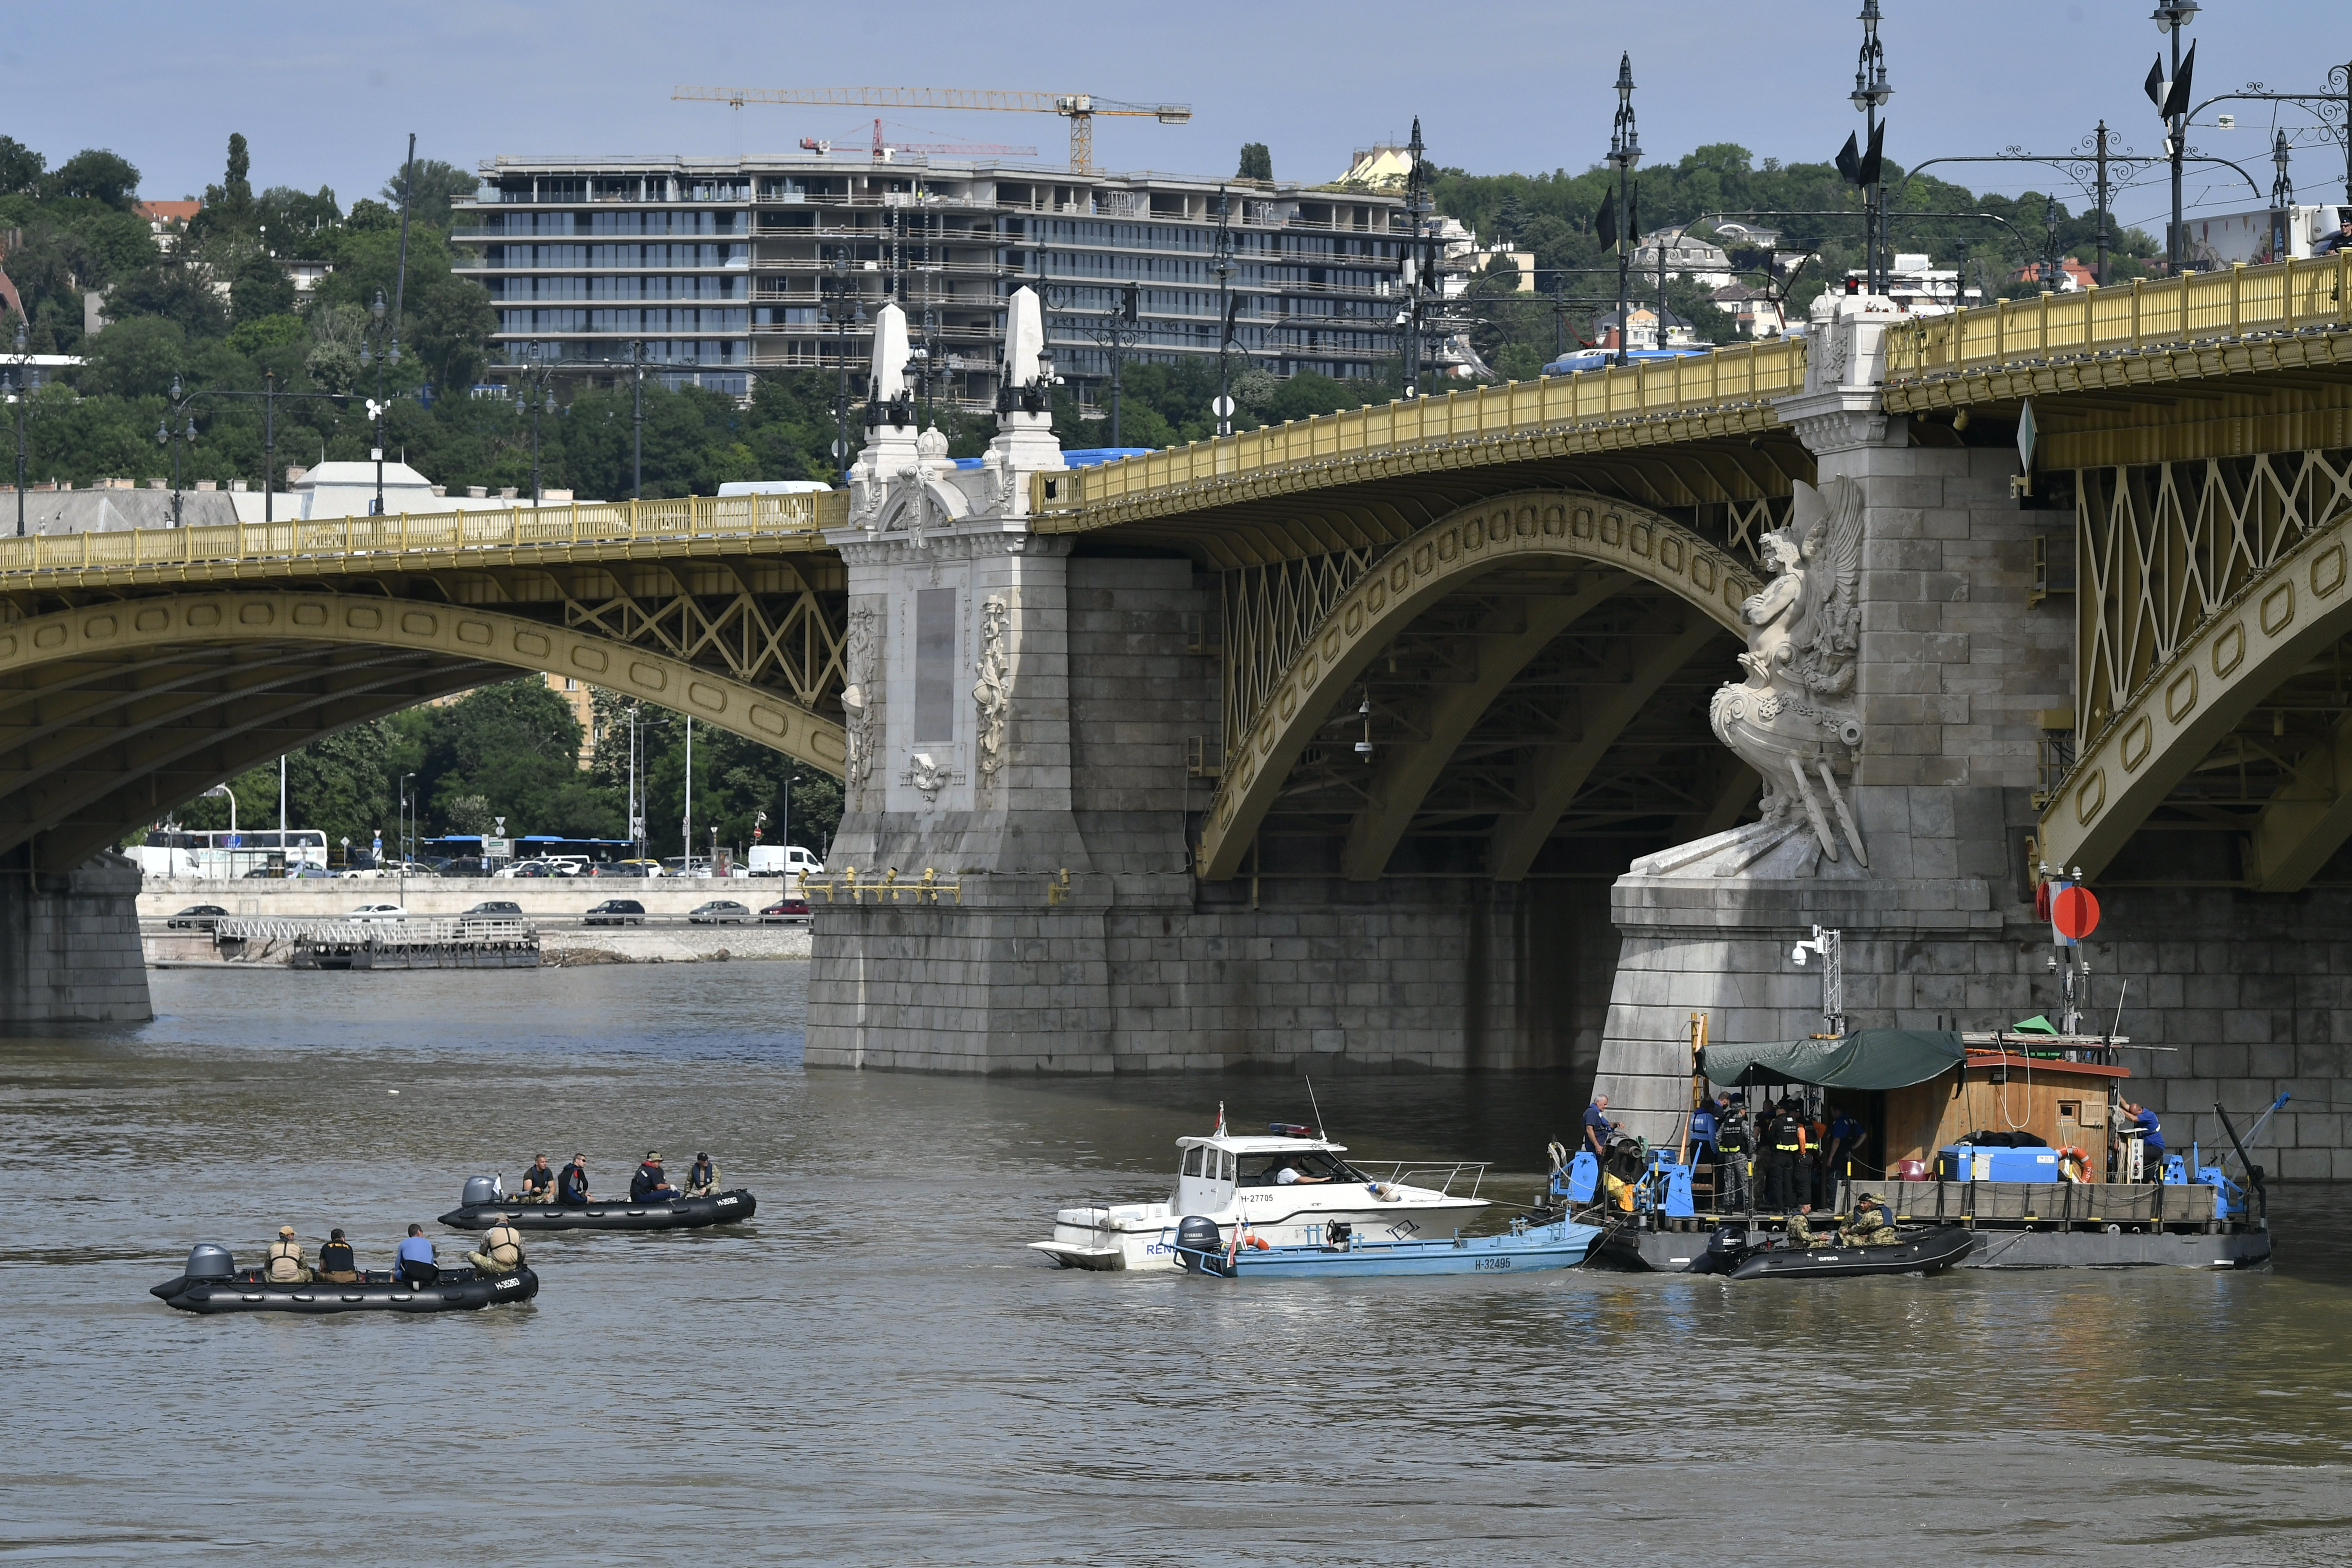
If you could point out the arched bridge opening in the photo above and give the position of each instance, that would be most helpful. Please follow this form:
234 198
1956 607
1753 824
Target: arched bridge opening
1518 687
119 700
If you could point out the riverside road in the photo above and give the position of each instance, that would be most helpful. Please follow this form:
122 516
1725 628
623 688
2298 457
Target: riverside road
876 1371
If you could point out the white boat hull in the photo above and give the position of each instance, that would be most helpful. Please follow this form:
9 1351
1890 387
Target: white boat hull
1143 1236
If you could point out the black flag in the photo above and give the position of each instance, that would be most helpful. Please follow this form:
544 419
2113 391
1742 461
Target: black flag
2155 83
1870 161
1849 161
2177 100
1233 308
1604 222
1633 217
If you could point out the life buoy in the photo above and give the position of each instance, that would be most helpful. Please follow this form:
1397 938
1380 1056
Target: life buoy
2042 901
2073 1164
1261 1244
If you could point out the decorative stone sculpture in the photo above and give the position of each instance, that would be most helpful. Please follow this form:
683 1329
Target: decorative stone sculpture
1792 719
992 693
924 771
857 696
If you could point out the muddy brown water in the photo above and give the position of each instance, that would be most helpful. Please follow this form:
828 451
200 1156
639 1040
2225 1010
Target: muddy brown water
876 1371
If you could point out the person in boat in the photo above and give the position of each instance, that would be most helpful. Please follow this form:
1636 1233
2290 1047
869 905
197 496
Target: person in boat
1292 1174
701 1178
415 1263
572 1185
500 1252
337 1265
539 1182
1597 1128
286 1264
649 1185
1733 1144
1870 1225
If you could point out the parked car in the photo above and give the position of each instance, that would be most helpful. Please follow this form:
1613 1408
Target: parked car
784 911
196 917
367 873
719 911
614 912
496 909
618 869
378 912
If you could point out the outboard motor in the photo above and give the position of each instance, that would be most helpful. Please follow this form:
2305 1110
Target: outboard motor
1727 1250
481 1190
1199 1245
210 1260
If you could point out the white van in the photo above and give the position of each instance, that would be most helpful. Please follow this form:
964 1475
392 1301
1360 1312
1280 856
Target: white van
785 860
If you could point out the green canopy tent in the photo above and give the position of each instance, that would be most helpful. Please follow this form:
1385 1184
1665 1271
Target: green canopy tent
1865 1060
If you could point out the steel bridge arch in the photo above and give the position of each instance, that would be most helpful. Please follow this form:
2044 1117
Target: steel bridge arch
1440 558
2277 621
79 765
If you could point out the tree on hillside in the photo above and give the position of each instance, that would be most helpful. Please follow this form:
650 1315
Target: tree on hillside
95 175
20 168
433 186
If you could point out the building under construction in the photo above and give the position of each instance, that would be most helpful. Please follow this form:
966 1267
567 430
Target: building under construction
717 269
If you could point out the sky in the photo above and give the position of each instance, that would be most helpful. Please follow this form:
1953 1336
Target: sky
327 94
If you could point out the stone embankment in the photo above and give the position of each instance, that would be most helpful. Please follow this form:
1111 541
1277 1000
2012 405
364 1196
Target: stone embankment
560 947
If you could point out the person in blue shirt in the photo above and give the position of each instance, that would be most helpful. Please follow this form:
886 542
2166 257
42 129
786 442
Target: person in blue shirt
414 1264
1847 1137
649 1185
2152 1163
1598 1128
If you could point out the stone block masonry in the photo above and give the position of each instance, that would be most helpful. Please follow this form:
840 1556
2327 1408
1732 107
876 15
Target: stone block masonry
69 950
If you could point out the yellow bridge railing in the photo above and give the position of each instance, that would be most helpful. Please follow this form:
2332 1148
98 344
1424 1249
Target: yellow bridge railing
1689 383
2284 296
437 533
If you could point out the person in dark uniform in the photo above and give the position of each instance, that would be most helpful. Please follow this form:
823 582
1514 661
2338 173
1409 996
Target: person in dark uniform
1733 1145
571 1186
1788 1162
337 1266
649 1185
1597 1128
702 1178
539 1182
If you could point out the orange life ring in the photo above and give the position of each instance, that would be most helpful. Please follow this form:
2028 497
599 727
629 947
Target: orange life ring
2081 1160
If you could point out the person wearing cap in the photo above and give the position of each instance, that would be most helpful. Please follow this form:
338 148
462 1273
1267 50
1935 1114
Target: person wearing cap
2341 239
702 1180
415 1263
337 1266
502 1250
649 1185
285 1266
1733 1145
1870 1225
571 1186
539 1182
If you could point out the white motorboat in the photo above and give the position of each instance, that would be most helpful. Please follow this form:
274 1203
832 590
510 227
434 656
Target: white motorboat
1282 1187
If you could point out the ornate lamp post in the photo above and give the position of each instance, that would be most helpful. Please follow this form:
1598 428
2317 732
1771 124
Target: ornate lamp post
842 312
1223 266
166 433
1870 95
2172 18
373 352
21 388
1624 150
2282 197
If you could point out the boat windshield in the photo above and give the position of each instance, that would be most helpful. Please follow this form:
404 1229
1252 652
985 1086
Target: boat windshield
1312 1165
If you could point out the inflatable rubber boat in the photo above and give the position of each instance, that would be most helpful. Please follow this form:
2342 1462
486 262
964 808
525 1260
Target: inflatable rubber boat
1921 1252
213 1283
481 1206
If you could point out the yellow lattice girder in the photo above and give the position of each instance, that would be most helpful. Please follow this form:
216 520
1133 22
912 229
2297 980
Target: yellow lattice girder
465 633
1448 555
2272 626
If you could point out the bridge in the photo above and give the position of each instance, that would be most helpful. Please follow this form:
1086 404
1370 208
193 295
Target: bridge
1399 738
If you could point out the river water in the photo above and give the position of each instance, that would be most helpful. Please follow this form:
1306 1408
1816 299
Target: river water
876 1371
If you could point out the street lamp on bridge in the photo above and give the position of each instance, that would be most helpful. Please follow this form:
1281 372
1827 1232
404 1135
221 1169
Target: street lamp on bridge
166 433
2172 18
20 387
1625 151
378 350
1871 93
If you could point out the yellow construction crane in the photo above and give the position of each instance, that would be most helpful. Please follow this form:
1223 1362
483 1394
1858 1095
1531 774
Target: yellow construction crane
1079 107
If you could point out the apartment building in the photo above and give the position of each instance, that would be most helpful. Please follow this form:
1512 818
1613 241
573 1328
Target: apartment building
717 269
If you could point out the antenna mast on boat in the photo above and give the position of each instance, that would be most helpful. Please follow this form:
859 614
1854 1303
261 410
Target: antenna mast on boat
1326 1137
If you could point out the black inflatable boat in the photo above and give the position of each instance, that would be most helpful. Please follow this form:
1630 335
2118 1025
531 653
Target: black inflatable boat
1923 1252
212 1284
482 1209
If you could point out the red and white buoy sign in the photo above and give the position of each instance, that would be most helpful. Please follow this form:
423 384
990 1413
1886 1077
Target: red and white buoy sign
2073 912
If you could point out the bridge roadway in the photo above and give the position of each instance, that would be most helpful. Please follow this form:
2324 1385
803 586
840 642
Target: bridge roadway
1444 665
